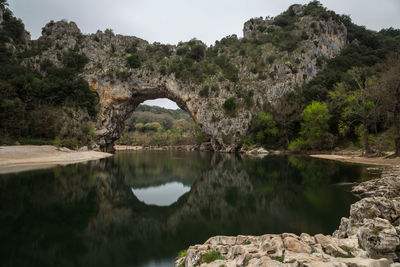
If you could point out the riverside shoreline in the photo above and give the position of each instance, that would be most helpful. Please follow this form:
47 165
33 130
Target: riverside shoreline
157 148
26 157
370 236
381 161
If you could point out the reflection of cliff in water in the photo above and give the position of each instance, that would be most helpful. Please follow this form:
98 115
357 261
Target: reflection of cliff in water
86 214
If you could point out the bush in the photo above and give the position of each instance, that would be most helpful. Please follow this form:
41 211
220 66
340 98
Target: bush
231 73
182 253
134 61
230 107
74 60
267 130
204 92
197 52
297 145
315 124
211 256
57 141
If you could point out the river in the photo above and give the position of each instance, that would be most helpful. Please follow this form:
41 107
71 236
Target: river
140 208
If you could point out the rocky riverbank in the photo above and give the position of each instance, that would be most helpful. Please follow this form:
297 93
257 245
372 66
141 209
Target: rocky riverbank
157 148
369 237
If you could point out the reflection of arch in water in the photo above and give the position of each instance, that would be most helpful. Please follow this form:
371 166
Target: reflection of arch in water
161 195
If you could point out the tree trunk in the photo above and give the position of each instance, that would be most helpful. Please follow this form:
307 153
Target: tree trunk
368 150
396 122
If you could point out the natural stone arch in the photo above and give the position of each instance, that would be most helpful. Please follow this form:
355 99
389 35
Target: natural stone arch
121 87
117 102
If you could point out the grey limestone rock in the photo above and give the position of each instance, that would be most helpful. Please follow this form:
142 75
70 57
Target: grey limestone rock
121 89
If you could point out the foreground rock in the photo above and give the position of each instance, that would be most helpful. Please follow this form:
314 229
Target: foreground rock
369 237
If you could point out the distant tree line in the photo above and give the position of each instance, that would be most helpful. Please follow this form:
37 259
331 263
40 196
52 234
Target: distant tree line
152 125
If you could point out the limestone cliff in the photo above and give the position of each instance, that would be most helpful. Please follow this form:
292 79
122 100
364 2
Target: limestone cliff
271 59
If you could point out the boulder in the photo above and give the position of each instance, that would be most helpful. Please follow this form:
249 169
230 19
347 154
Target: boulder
64 149
329 246
295 245
83 149
258 150
206 147
372 207
379 238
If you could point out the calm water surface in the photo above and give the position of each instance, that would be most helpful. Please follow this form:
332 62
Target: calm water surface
141 208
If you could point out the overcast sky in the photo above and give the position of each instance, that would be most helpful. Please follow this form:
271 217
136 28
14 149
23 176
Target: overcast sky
171 21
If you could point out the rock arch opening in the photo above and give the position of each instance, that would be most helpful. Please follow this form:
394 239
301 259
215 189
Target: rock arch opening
161 123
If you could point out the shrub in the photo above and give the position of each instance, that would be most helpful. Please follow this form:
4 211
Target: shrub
109 31
261 28
182 253
248 100
297 145
134 61
267 130
231 73
57 141
74 60
204 92
211 256
230 106
197 52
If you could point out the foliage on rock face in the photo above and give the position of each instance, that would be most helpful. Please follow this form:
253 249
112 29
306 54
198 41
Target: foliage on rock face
230 107
134 61
35 105
338 86
210 256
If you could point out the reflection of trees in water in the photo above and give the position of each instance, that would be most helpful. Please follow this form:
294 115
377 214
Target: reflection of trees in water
86 213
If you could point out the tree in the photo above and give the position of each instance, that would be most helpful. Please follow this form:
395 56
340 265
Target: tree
134 61
315 124
267 129
3 4
359 102
391 89
287 115
230 107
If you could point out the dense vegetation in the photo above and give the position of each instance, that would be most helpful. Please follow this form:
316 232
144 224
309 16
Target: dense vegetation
156 126
354 98
353 108
44 106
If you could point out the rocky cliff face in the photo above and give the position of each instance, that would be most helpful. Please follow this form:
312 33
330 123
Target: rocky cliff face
269 61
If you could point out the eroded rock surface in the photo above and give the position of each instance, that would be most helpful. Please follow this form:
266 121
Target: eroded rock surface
369 237
122 88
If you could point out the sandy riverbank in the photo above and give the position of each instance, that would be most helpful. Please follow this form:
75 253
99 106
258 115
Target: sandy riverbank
382 161
21 158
